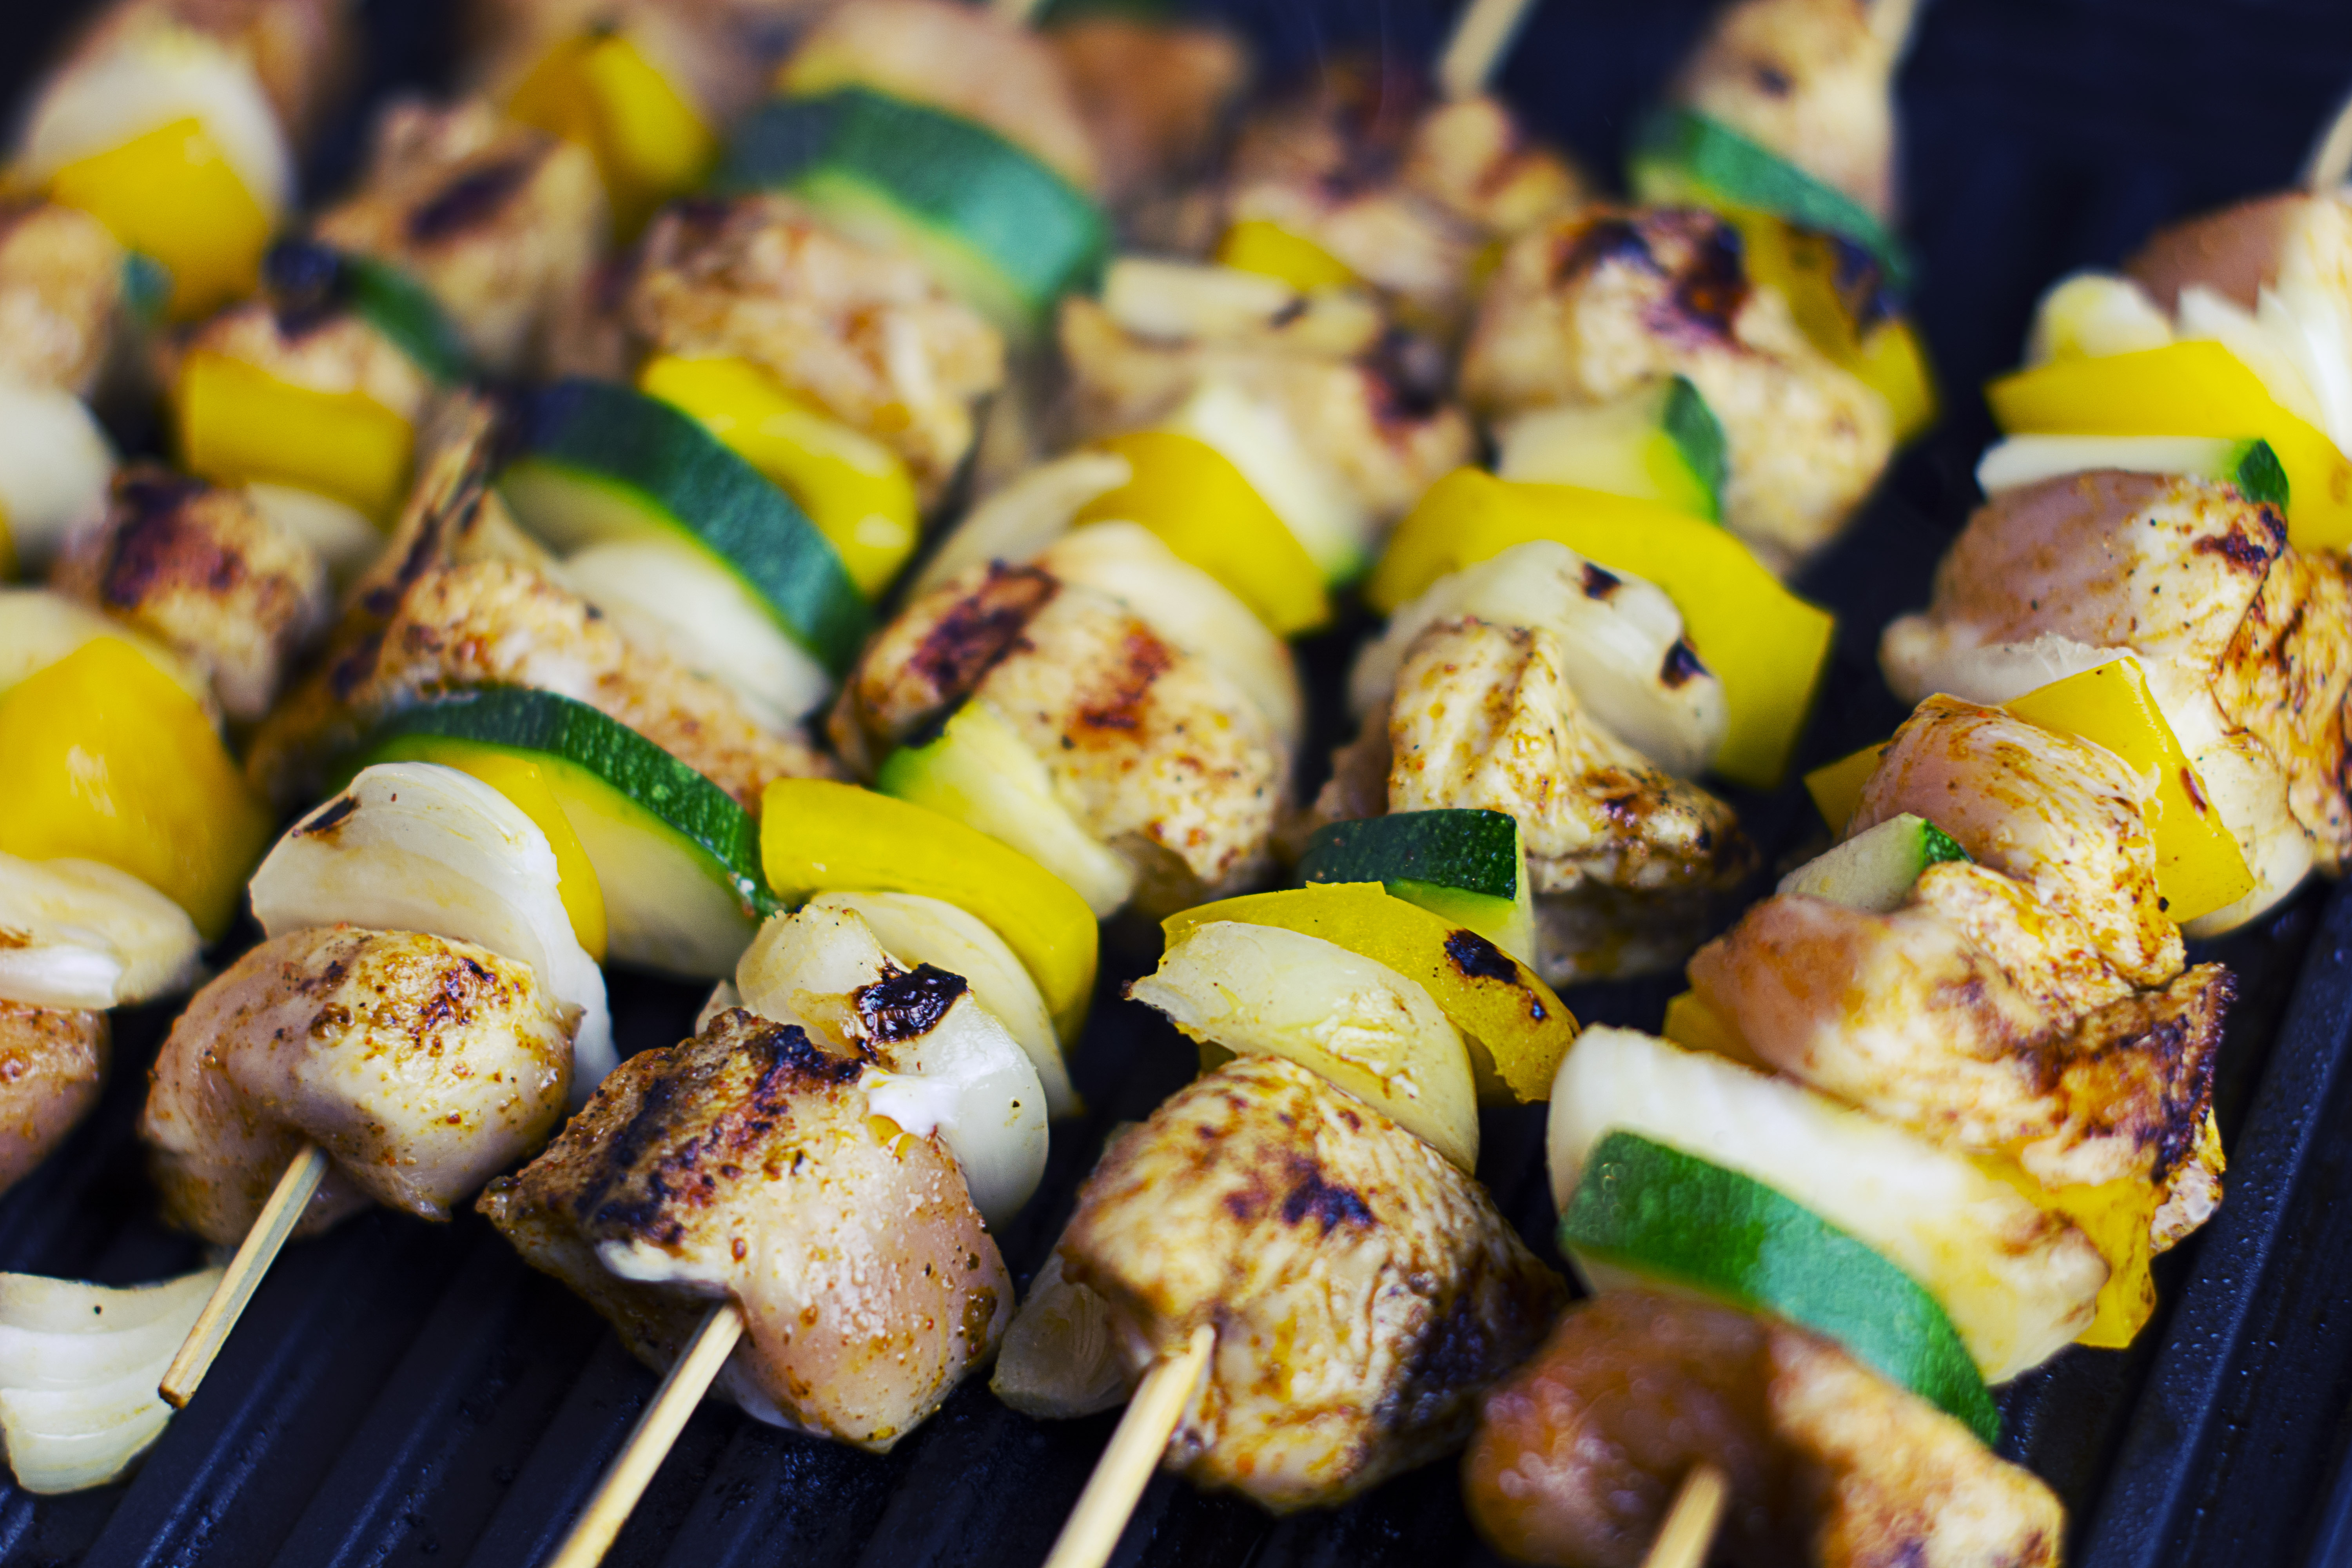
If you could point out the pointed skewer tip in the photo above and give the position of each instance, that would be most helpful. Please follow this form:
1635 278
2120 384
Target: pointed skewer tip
1688 1534
1125 1466
243 1277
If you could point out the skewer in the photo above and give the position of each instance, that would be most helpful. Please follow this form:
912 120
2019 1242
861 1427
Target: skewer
689 1377
1688 1534
1481 38
1092 1532
2331 156
242 1277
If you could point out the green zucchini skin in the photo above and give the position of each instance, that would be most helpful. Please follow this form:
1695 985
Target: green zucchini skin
684 475
1038 233
1472 851
303 275
1657 1211
1697 435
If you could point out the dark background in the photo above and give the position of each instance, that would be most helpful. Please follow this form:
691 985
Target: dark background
407 1393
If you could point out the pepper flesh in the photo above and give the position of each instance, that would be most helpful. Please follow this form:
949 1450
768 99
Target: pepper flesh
171 194
237 424
600 91
1254 245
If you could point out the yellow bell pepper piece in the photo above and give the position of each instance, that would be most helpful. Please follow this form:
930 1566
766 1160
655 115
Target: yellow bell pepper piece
2186 389
855 489
1836 787
817 836
2114 1217
600 91
1192 495
1517 1030
519 779
171 195
108 760
238 423
1764 644
1254 245
1802 267
2199 868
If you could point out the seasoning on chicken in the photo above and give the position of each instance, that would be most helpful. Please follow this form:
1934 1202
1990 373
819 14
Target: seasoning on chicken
1364 1289
299 334
748 1164
1157 752
2246 642
866 335
1591 306
420 1065
203 571
60 297
1153 94
501 222
1579 1455
53 1064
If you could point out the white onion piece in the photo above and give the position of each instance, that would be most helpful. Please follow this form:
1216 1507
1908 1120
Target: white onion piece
673 598
38 628
965 1078
2205 314
54 467
79 1365
1060 1358
419 847
93 936
341 534
1189 608
1331 524
916 931
2093 315
1024 517
154 75
1618 642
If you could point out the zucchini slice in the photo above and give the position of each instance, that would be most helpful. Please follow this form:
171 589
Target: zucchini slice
1662 443
1875 869
306 276
1465 865
597 463
995 226
1661 1215
675 858
2248 463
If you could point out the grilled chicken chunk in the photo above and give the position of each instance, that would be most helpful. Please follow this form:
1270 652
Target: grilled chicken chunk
1153 94
1363 1291
53 1064
2247 642
1579 1456
1155 751
319 350
502 223
867 335
1627 860
60 297
1811 81
204 572
1590 307
2296 237
1403 190
746 1164
420 1065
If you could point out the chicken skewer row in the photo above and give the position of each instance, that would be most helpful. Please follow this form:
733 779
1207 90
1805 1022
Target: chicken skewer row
1995 1071
796 1203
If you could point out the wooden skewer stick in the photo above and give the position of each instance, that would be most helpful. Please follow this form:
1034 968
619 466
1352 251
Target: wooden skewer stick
1092 1533
1688 1534
2331 156
1481 38
649 1440
243 1277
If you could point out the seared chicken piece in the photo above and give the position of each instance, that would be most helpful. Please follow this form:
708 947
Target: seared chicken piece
1361 403
1590 307
301 335
53 1063
1811 81
2293 238
1627 860
867 335
2247 643
502 223
746 1164
204 572
1153 94
420 1065
1155 751
1404 190
1579 1456
1364 1292
2058 815
967 60
60 297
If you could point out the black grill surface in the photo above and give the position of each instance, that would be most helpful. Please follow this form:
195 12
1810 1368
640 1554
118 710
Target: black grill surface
408 1393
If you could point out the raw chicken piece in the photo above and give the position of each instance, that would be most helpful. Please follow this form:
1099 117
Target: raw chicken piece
53 1064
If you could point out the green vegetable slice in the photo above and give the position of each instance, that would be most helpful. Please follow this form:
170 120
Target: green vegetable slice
678 858
1875 870
1465 865
596 462
303 275
1657 1211
997 227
